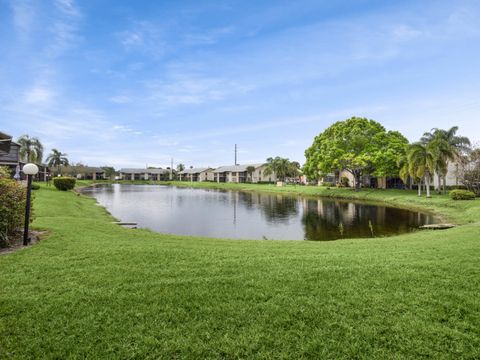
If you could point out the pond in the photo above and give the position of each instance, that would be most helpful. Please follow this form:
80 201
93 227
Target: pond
252 215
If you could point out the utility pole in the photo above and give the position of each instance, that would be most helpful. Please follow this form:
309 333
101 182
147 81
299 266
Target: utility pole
236 155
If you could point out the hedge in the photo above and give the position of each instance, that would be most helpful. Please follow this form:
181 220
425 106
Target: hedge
64 183
462 195
12 210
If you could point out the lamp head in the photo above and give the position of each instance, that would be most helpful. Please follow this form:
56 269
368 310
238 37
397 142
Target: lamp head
30 169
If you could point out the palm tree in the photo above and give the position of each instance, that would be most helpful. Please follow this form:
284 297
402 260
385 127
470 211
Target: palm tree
421 160
449 147
282 168
250 171
31 149
57 159
404 169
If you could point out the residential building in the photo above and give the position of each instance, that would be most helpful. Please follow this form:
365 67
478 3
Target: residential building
88 173
196 174
145 174
239 174
10 157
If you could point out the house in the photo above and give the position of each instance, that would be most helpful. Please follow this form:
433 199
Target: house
90 173
196 174
366 181
145 174
9 153
10 158
239 174
455 175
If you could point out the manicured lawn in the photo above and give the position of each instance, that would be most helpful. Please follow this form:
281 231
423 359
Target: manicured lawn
96 290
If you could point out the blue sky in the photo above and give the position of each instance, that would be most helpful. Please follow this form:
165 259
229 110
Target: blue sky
130 83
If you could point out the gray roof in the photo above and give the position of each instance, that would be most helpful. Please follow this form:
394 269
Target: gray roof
144 171
194 171
5 141
236 168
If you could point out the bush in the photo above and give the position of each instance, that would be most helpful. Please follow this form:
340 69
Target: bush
327 184
12 210
457 187
344 182
35 186
462 195
64 183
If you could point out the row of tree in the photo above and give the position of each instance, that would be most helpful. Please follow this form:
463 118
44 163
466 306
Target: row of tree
364 147
31 149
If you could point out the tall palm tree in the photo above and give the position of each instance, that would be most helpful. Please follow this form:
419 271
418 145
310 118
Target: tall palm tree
449 147
31 149
421 160
250 171
404 169
57 159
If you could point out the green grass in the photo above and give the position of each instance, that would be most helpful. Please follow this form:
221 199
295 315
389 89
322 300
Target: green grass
95 290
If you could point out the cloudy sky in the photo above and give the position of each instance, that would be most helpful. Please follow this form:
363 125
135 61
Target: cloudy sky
130 83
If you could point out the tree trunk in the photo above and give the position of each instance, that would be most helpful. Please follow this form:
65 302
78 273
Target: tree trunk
444 184
420 188
427 184
357 181
439 186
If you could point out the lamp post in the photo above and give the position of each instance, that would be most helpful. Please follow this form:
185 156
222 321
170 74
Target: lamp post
29 170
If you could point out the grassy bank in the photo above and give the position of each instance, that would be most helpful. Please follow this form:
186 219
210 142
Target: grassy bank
96 290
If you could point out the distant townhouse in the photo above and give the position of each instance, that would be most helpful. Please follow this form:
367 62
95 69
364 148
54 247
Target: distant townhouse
90 173
454 177
9 152
10 158
240 174
145 174
196 174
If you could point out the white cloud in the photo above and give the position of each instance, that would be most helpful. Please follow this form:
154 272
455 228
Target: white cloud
68 7
38 95
120 99
23 15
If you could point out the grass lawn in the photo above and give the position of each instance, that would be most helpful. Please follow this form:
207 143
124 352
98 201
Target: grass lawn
93 289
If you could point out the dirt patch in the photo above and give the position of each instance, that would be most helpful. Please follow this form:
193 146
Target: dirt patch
35 237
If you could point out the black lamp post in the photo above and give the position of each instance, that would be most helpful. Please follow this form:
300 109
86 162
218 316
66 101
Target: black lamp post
30 170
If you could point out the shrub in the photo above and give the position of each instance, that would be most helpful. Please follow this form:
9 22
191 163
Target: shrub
457 187
327 184
35 186
12 210
64 183
344 182
462 195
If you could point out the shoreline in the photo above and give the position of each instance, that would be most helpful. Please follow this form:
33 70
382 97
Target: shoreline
370 196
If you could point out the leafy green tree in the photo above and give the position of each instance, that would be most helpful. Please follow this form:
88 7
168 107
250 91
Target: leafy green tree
109 171
31 149
421 160
357 145
180 167
57 159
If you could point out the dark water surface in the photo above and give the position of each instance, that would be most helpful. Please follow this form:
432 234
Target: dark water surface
251 215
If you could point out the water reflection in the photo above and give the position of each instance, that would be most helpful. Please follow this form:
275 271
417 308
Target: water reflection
250 215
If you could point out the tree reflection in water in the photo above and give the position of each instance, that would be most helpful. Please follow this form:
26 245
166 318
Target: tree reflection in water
336 219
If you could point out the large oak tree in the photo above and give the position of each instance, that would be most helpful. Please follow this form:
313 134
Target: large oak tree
357 145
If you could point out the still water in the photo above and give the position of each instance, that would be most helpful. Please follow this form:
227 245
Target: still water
250 215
